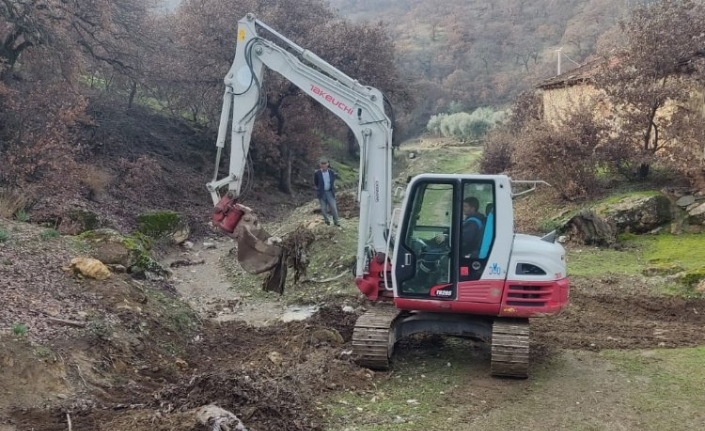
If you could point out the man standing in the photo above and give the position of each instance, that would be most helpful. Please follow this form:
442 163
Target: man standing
324 179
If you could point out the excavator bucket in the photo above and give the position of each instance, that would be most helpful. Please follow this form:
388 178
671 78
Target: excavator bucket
257 251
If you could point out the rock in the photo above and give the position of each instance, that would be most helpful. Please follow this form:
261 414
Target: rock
700 288
562 239
183 365
91 268
164 224
131 251
348 309
209 245
188 245
112 253
78 220
637 214
275 358
218 419
118 269
588 228
327 336
697 215
685 201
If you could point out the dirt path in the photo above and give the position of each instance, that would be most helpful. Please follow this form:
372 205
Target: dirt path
204 284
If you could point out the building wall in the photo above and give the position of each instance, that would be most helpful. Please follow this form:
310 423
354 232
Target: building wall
561 100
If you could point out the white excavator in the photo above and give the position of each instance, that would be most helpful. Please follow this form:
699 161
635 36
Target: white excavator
447 261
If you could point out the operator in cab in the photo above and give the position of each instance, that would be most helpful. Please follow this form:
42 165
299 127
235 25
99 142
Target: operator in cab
473 227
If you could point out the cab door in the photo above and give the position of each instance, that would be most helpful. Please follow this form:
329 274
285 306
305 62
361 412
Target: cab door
426 252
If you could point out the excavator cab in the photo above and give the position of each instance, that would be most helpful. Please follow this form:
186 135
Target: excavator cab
449 237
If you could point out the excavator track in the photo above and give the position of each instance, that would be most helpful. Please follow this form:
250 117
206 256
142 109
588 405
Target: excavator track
373 337
510 348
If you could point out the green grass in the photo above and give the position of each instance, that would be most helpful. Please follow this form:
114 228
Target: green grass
686 251
419 395
594 262
48 234
20 329
4 235
347 175
464 161
617 198
22 216
667 386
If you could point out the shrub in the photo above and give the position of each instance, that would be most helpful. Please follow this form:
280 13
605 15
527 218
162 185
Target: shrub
4 235
96 179
497 155
11 202
22 216
564 155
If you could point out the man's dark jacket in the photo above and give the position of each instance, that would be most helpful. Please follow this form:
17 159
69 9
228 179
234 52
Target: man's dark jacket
320 184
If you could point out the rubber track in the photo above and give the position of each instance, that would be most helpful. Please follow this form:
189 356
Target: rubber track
510 348
372 339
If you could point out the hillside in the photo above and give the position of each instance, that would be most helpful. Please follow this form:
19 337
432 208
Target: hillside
479 53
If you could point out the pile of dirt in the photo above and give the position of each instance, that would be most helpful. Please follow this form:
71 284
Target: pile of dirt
270 377
612 321
347 205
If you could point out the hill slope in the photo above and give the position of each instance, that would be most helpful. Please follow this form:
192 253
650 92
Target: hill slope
479 53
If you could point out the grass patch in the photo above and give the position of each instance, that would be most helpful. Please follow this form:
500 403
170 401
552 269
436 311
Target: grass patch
686 251
665 382
464 161
421 393
179 318
4 235
22 216
595 262
619 197
347 175
48 234
19 329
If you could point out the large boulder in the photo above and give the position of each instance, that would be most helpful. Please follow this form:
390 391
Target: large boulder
588 228
637 214
130 251
696 213
91 268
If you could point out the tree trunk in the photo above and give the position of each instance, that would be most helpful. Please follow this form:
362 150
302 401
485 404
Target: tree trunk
285 175
353 147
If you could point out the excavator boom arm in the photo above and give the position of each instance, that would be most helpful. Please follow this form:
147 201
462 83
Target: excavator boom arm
359 106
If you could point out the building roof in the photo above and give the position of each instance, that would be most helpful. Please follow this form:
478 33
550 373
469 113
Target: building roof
575 76
586 71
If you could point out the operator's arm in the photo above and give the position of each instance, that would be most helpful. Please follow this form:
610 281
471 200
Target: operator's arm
315 178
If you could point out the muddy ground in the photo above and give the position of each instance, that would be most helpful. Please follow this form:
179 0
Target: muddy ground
146 354
276 377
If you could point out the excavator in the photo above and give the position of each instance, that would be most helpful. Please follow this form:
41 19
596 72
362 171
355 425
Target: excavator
447 261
